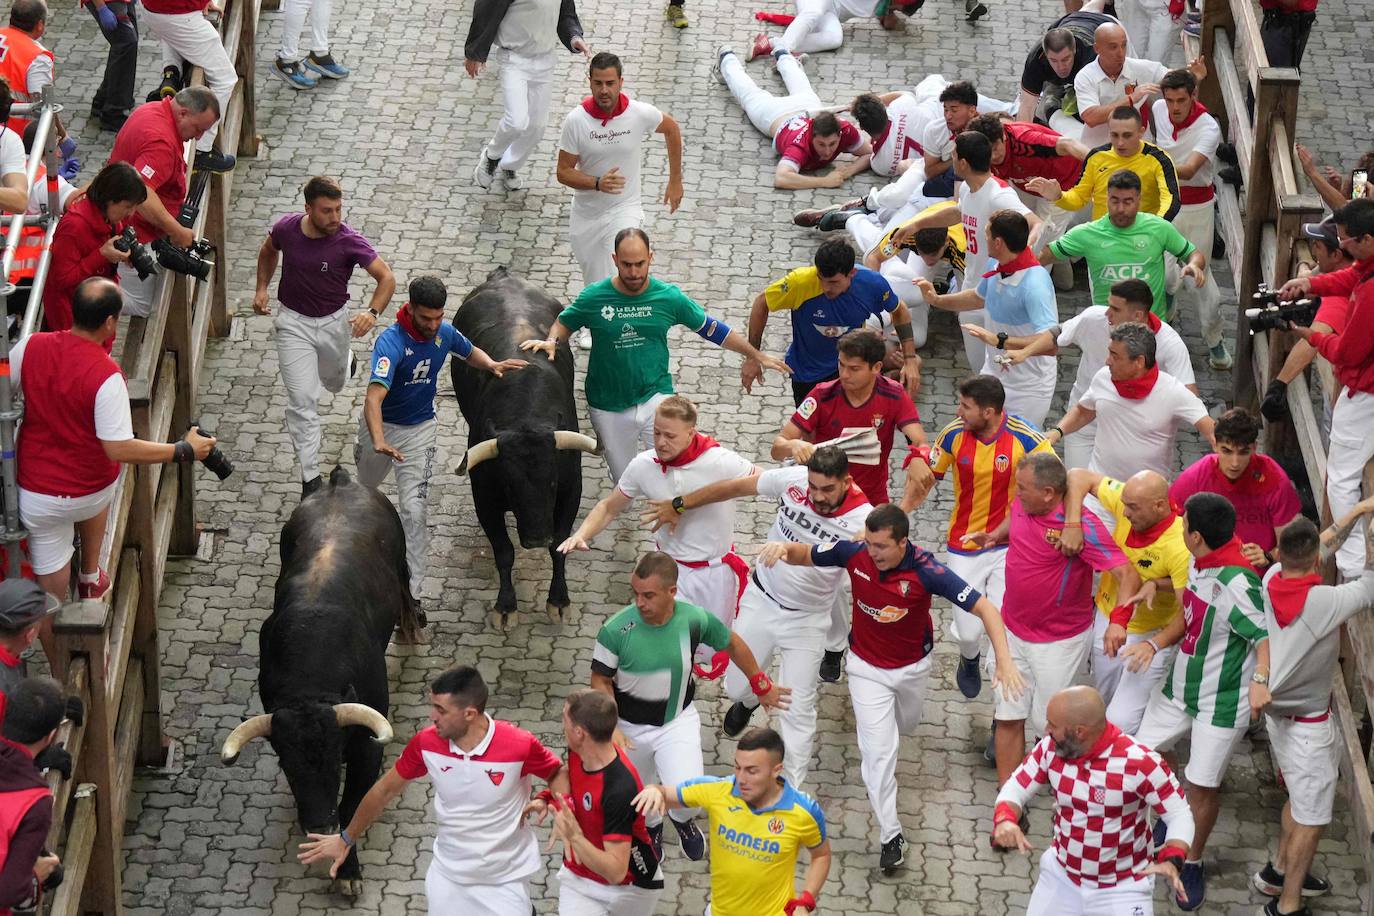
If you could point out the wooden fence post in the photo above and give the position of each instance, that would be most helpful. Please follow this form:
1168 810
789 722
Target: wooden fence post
246 64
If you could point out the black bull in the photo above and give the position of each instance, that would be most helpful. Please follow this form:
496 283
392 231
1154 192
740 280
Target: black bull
343 589
524 448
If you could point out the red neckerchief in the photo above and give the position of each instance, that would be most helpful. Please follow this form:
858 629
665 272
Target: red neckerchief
1109 735
1023 261
1289 595
1198 111
852 500
590 107
1136 389
9 660
1152 320
1228 554
1138 539
407 323
698 447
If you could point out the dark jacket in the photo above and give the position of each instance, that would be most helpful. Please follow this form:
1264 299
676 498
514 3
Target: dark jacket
17 773
486 21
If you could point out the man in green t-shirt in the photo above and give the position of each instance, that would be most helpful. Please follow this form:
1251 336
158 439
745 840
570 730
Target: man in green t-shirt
627 372
1127 245
643 658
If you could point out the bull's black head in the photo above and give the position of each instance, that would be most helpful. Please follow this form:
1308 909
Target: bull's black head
309 745
528 467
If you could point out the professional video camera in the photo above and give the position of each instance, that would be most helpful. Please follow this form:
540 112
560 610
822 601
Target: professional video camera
139 256
1269 314
193 261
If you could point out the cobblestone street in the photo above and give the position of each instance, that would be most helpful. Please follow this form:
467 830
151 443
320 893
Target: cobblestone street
402 133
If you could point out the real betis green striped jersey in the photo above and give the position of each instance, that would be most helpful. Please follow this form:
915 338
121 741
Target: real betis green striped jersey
650 666
1210 676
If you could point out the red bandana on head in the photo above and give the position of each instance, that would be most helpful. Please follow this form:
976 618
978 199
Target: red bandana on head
1289 595
1135 389
1023 261
590 107
699 445
1198 111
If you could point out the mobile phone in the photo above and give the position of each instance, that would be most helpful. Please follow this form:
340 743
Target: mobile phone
1358 179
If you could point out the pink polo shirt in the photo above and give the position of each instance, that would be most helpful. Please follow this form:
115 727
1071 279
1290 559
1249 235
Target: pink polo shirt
1264 497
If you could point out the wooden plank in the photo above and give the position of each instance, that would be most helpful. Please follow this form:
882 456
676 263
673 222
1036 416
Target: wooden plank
1240 132
247 65
103 888
1309 437
1359 792
71 736
126 738
217 231
125 612
76 855
1231 226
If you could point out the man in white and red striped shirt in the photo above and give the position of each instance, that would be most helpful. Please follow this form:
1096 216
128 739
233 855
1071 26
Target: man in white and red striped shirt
1105 786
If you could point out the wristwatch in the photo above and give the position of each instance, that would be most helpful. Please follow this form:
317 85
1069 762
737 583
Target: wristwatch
678 505
1261 679
375 313
1001 340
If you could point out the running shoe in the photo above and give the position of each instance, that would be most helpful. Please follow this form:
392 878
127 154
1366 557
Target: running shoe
325 65
676 16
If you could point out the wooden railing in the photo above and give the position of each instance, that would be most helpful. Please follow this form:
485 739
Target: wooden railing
107 650
1263 240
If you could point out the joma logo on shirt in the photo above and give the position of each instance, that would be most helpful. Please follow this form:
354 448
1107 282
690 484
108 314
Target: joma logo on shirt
748 840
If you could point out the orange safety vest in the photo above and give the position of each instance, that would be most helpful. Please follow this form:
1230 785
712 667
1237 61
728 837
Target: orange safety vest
17 52
30 247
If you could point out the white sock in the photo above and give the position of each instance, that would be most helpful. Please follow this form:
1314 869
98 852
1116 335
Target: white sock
88 578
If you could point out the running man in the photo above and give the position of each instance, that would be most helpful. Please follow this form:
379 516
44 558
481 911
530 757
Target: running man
754 846
889 663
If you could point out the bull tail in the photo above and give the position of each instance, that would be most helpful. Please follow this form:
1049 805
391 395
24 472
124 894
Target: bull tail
339 477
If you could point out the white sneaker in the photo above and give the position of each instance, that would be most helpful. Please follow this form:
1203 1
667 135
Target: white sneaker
485 171
511 180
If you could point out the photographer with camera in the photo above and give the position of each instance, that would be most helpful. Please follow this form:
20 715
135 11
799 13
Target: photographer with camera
34 711
77 430
85 244
1351 354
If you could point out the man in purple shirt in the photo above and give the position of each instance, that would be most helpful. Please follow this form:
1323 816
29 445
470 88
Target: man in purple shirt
318 252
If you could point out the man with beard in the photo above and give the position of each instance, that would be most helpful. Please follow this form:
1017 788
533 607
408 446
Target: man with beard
1105 785
398 414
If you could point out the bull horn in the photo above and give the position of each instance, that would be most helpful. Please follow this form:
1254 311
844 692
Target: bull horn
474 456
366 716
256 727
563 438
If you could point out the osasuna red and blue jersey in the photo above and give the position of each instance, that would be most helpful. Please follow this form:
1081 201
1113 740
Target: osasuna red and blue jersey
891 608
603 802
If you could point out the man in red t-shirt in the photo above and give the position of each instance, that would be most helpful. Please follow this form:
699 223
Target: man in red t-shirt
610 865
805 136
153 141
862 398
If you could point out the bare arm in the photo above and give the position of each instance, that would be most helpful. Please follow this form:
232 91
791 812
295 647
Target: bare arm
154 212
372 416
1077 418
570 176
790 444
1026 109
386 284
790 179
672 139
1206 428
817 870
268 256
596 521
14 193
1188 167
1067 146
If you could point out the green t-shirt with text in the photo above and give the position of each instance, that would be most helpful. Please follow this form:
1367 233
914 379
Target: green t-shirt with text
1136 253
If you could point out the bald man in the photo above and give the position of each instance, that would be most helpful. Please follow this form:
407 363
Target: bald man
1126 661
1113 79
1105 787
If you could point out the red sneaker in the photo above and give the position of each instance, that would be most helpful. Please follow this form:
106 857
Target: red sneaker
763 46
96 589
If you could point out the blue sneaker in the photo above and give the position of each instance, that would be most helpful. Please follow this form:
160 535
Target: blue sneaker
325 65
293 74
968 677
1161 833
1194 878
693 843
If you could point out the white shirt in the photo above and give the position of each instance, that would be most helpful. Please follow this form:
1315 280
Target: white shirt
976 209
855 9
703 534
908 117
1093 87
530 27
12 157
806 588
936 138
599 147
1090 332
1202 136
114 421
38 194
1138 435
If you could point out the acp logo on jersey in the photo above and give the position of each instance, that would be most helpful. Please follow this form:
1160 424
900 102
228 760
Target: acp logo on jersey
1114 272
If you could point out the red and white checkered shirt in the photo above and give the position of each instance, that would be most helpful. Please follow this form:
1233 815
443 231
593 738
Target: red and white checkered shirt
1101 821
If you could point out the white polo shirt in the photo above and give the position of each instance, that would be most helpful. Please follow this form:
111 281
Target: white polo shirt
703 534
1090 332
936 139
806 588
1138 434
1200 134
478 800
1093 87
976 209
601 144
907 120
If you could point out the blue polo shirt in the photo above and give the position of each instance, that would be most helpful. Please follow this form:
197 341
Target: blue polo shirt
409 369
819 322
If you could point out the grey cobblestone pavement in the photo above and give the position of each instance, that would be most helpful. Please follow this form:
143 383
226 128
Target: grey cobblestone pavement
402 133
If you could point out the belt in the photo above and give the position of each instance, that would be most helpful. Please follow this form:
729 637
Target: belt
1318 718
754 576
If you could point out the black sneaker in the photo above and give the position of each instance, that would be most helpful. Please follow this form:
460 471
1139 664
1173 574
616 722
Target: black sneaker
1272 909
830 666
834 220
974 10
310 486
1269 881
170 85
656 839
113 120
212 160
893 854
736 719
990 751
693 843
968 676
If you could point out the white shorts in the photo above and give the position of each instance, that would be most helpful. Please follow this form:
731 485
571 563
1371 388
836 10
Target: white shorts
986 572
1055 894
1211 747
51 522
1125 692
447 897
579 896
1047 668
1306 753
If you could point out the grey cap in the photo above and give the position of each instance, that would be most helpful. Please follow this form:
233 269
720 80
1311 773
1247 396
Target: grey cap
1324 231
23 602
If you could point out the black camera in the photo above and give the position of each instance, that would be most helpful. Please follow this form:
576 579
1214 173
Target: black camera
194 261
1269 314
216 462
139 256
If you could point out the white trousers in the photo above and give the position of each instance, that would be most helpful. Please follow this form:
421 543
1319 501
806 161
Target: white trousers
138 294
189 38
593 241
1028 404
986 572
526 91
1067 125
417 444
579 896
293 22
1055 894
447 897
887 704
975 351
1078 446
816 28
1152 30
312 354
1196 222
901 271
1126 693
668 754
761 107
841 618
798 639
1351 447
715 588
1054 219
624 433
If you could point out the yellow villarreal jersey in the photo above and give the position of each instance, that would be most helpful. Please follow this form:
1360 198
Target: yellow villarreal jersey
753 853
1158 180
1166 557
